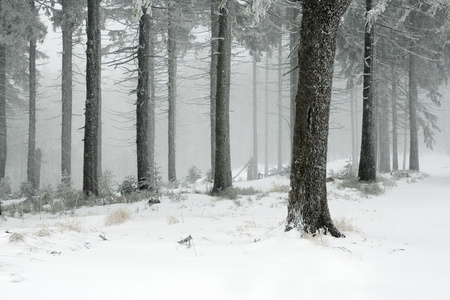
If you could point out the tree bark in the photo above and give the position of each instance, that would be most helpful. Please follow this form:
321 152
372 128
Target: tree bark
294 35
367 159
171 48
66 89
3 128
254 165
383 136
142 104
213 78
152 116
266 120
308 207
222 172
412 97
90 171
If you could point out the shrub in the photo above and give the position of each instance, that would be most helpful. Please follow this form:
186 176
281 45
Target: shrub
5 188
194 174
128 185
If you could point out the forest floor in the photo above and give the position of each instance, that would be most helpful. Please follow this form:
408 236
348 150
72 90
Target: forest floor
397 246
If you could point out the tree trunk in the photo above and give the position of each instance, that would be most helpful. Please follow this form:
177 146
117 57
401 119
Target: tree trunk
171 48
152 116
66 89
308 207
37 168
367 158
32 112
90 171
280 104
254 165
222 172
351 85
213 78
294 35
266 121
3 128
412 96
142 104
394 121
383 135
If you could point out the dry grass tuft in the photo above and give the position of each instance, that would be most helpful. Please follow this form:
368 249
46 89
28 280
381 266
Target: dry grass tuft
70 225
16 238
118 216
172 220
344 224
43 231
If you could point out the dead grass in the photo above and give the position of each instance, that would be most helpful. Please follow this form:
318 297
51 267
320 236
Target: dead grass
16 238
344 224
118 216
172 220
70 225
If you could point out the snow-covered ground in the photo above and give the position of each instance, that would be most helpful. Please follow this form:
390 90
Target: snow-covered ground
397 246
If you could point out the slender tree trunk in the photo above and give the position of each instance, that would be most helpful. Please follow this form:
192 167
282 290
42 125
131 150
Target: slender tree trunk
266 121
222 172
367 159
384 139
280 103
152 115
37 168
405 136
142 104
31 163
213 78
3 128
351 86
90 171
308 207
66 89
294 35
254 165
394 120
171 48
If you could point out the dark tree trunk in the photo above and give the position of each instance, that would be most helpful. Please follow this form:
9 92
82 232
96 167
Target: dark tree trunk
254 165
3 128
280 104
37 168
222 172
90 171
266 120
308 207
171 48
213 78
31 164
412 97
66 87
367 159
142 104
394 121
152 116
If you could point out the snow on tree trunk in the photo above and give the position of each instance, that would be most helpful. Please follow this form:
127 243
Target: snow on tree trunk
367 159
222 172
90 171
66 87
3 129
142 104
308 207
171 48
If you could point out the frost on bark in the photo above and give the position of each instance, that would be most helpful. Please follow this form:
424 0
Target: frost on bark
222 172
367 159
308 207
171 48
90 172
142 104
66 89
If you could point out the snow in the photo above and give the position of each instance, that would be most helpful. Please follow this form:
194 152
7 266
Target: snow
398 248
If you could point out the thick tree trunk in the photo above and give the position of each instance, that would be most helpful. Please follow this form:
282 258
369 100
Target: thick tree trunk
394 120
280 104
66 89
308 207
142 104
90 171
254 165
213 78
222 172
31 164
171 48
367 159
3 128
